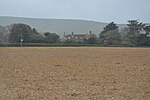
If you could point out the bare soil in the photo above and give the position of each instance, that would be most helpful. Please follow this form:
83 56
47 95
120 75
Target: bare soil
80 73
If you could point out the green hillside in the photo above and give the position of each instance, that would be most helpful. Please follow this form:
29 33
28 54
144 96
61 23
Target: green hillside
57 25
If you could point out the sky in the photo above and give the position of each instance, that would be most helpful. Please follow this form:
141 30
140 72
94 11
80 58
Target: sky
119 11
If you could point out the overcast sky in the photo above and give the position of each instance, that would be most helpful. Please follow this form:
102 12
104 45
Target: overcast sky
96 10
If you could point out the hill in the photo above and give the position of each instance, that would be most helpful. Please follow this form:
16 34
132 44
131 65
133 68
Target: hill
57 25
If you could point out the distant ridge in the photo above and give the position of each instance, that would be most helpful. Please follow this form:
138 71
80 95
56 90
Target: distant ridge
58 26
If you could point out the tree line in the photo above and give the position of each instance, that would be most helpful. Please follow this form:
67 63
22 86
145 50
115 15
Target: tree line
29 35
134 34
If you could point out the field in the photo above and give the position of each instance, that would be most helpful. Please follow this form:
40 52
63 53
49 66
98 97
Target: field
74 73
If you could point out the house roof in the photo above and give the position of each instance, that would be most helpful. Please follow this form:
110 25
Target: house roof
83 36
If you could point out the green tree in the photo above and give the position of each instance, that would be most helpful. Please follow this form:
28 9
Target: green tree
147 30
37 38
4 34
51 37
23 31
92 40
134 28
19 31
110 34
144 39
110 26
35 31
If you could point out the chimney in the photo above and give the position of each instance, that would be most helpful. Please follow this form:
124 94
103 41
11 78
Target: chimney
72 33
64 34
90 32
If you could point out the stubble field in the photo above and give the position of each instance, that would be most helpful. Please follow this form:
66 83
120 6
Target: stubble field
74 73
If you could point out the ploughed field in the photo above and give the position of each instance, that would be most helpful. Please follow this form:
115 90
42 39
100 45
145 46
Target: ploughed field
74 73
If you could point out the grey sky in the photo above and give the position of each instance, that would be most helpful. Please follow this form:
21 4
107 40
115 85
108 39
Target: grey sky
96 10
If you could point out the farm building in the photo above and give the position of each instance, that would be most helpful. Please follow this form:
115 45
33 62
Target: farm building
78 36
